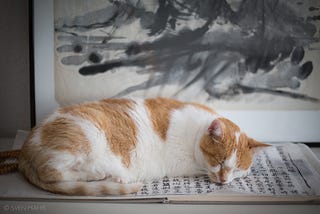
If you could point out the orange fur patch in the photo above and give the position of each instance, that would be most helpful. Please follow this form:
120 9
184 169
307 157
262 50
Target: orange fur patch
34 164
63 134
111 116
80 190
213 153
244 155
160 110
27 153
47 173
247 148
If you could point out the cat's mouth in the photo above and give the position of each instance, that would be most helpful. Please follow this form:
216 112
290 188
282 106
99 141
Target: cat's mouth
219 179
226 178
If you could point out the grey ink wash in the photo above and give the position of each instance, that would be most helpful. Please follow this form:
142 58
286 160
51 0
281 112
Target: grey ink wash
263 50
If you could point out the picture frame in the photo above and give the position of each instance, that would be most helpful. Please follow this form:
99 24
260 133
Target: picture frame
264 125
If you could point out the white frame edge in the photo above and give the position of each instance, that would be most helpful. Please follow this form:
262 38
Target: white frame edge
45 102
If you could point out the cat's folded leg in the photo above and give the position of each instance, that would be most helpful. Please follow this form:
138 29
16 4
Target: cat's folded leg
117 180
97 188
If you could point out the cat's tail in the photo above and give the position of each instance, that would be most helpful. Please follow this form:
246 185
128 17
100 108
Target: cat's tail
8 161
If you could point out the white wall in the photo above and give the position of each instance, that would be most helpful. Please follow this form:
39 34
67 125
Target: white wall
262 125
296 126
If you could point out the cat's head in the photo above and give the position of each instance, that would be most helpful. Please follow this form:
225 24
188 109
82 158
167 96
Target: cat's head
227 151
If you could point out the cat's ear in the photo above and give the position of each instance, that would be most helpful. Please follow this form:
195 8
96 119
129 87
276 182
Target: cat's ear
215 129
256 146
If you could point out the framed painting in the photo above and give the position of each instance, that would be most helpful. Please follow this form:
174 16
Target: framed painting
231 54
256 62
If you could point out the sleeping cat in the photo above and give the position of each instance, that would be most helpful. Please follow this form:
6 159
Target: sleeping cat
112 146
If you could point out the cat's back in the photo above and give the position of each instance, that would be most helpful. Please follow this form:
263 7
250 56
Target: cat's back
121 123
126 120
126 132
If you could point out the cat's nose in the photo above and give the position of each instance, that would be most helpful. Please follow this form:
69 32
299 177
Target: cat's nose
223 176
223 180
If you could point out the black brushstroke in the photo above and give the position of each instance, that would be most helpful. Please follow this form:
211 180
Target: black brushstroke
161 18
305 70
194 79
179 42
248 89
77 48
313 8
101 68
297 55
94 57
313 18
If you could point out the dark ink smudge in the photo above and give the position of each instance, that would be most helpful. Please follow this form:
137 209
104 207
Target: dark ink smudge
77 48
305 70
94 58
297 55
313 8
313 18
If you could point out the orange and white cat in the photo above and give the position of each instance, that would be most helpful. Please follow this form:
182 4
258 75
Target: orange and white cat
112 146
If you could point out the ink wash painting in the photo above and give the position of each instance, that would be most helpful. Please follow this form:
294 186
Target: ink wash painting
230 54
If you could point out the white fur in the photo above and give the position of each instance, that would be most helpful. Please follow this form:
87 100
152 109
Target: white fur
215 169
147 160
36 137
231 162
237 134
186 128
237 173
